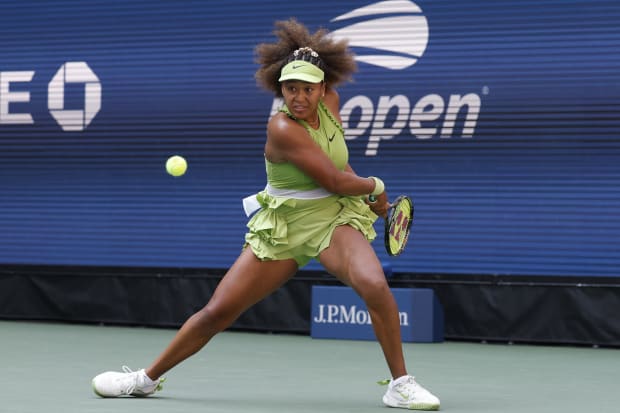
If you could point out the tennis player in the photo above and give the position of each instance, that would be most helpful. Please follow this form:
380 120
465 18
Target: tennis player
314 206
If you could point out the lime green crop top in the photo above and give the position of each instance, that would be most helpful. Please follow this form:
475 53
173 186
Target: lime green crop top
329 136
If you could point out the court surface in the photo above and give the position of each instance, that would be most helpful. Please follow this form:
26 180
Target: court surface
47 367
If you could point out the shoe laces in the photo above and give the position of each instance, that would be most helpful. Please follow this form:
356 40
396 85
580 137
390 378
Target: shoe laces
409 388
135 379
130 381
406 387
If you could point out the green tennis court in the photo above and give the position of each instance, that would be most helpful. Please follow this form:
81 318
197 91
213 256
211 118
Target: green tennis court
47 367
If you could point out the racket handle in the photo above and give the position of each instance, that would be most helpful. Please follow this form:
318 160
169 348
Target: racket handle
372 199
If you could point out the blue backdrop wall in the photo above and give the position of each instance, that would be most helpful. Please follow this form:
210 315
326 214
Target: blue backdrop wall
500 119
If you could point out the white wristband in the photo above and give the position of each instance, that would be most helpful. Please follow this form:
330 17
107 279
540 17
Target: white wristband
379 186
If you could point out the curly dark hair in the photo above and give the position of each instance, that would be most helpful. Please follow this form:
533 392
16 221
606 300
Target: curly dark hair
334 57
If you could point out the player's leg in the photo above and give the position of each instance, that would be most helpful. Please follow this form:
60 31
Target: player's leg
248 281
352 260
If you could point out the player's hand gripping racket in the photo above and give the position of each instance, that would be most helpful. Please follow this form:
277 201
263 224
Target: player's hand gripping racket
398 224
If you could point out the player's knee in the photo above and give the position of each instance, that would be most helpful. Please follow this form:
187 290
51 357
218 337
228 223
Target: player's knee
373 289
212 318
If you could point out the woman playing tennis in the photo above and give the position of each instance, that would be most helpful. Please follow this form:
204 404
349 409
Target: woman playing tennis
313 207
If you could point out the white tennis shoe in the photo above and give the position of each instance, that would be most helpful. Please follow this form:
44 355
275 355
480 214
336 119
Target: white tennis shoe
406 393
128 383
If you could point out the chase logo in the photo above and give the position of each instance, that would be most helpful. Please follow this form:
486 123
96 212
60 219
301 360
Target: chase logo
67 119
74 72
392 34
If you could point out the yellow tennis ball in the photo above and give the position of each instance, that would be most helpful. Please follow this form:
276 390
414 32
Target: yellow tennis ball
176 165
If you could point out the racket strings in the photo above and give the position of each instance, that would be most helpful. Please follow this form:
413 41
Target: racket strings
399 224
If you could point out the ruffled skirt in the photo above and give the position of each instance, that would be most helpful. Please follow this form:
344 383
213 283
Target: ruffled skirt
287 228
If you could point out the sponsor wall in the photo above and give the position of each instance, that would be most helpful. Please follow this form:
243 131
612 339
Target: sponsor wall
500 119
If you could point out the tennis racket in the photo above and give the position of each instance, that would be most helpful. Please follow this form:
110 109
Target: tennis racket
398 225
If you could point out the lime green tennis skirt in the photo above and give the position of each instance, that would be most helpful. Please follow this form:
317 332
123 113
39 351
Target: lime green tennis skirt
287 228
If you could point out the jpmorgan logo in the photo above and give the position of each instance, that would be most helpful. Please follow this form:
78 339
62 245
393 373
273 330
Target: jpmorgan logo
68 119
349 314
393 34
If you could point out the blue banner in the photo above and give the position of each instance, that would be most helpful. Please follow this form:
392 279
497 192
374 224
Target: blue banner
339 313
500 120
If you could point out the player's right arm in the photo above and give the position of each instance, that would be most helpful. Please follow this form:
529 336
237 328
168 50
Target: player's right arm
288 141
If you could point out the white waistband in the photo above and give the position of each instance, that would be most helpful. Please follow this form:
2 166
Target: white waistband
251 205
317 193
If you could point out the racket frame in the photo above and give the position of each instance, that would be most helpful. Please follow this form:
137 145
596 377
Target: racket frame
388 224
